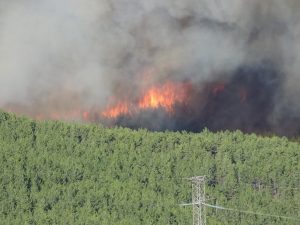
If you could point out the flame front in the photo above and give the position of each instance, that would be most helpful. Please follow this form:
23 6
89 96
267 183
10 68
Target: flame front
164 96
121 108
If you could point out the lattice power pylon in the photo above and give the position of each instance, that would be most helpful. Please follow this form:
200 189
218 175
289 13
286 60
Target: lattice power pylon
198 198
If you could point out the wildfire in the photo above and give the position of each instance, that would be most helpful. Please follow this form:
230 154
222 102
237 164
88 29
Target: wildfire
121 108
164 96
169 97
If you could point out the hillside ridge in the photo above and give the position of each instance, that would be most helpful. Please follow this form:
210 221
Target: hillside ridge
66 173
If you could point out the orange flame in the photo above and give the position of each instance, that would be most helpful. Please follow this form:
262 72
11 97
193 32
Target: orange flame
165 96
121 108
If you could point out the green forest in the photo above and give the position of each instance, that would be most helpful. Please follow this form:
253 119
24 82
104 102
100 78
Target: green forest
76 174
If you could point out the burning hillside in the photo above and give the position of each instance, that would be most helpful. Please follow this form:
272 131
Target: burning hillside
163 96
243 101
176 65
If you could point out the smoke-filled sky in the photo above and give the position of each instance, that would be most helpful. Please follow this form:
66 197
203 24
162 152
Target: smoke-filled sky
58 54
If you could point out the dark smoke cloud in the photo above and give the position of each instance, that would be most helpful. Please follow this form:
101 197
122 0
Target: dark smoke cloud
58 55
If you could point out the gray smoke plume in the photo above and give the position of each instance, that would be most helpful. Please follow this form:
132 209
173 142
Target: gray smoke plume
59 55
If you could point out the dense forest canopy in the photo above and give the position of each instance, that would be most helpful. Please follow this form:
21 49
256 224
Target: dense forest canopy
66 173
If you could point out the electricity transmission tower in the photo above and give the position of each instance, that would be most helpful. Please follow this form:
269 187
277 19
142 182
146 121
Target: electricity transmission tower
198 198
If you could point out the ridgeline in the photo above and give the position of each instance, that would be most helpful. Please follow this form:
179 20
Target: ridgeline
66 173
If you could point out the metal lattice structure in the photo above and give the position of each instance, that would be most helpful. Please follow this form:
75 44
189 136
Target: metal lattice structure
198 198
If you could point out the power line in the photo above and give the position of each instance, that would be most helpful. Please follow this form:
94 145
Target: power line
199 213
250 212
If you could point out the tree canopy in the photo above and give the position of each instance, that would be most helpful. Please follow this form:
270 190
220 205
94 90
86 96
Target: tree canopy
68 173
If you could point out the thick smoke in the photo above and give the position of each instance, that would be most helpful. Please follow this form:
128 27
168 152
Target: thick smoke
64 55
